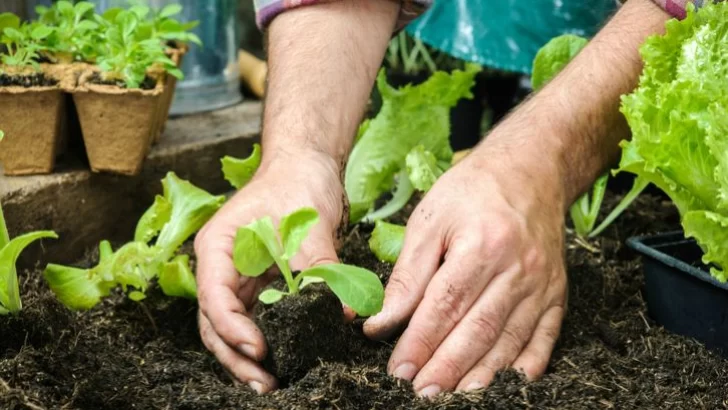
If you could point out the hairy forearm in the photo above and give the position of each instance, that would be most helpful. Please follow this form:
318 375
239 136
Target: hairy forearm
323 60
566 135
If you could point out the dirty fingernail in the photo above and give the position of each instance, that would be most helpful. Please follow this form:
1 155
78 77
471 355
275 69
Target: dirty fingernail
257 386
474 386
430 391
248 350
405 371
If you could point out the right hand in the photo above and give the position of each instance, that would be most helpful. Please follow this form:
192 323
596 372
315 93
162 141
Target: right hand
283 184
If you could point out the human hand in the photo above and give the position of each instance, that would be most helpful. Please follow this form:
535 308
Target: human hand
226 298
480 278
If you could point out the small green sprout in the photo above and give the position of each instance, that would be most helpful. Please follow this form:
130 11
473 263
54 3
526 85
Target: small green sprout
258 246
73 31
9 252
22 41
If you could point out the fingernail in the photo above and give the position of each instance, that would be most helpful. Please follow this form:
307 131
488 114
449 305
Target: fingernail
257 386
430 391
405 371
474 386
249 350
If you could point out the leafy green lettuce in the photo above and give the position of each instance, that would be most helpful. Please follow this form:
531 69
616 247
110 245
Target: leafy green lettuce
406 146
9 252
175 216
679 121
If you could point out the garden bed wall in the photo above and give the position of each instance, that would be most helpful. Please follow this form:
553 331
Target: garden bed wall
84 208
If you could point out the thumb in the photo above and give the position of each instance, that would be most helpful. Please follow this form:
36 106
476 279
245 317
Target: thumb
416 265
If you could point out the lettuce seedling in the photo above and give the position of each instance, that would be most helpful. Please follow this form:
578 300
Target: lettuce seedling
679 121
386 241
158 24
22 41
173 218
124 57
9 252
73 30
549 62
258 246
406 146
238 172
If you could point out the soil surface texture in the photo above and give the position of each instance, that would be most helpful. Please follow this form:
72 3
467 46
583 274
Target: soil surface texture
27 81
148 355
147 84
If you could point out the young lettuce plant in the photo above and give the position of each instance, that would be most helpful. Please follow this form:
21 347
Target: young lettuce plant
73 30
549 62
406 146
124 57
173 218
258 246
10 250
158 24
21 41
679 121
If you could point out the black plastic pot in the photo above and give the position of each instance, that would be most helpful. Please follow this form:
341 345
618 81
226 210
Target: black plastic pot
681 294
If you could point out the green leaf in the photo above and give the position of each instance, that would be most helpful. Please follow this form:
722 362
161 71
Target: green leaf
83 7
9 20
271 296
9 288
170 10
294 229
256 247
153 220
238 172
2 135
409 117
387 241
679 121
356 287
77 289
422 168
137 296
554 56
176 278
309 280
192 207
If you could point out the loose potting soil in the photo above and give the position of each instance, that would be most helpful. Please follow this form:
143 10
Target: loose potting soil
29 80
148 355
147 84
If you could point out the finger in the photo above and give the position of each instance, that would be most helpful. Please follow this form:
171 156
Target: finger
218 284
451 293
515 336
240 367
535 357
470 340
417 263
317 249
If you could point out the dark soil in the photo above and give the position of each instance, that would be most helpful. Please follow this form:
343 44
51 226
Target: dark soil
147 84
27 81
126 355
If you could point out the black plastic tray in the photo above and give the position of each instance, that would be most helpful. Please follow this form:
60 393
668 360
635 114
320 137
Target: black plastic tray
681 294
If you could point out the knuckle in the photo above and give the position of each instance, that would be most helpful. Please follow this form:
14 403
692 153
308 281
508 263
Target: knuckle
449 369
535 261
449 304
486 325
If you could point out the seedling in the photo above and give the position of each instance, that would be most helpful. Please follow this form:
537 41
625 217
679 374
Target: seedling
158 24
549 62
21 41
124 57
238 172
258 246
387 241
407 145
10 250
73 31
164 227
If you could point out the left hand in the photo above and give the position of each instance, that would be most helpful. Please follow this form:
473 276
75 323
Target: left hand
481 278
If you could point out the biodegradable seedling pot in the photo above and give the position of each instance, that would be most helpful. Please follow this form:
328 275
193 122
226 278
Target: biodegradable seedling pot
681 294
32 115
117 124
176 53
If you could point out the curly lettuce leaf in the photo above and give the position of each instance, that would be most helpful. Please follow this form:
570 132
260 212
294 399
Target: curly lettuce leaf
387 241
678 116
238 172
9 288
192 207
409 117
423 169
176 278
554 56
